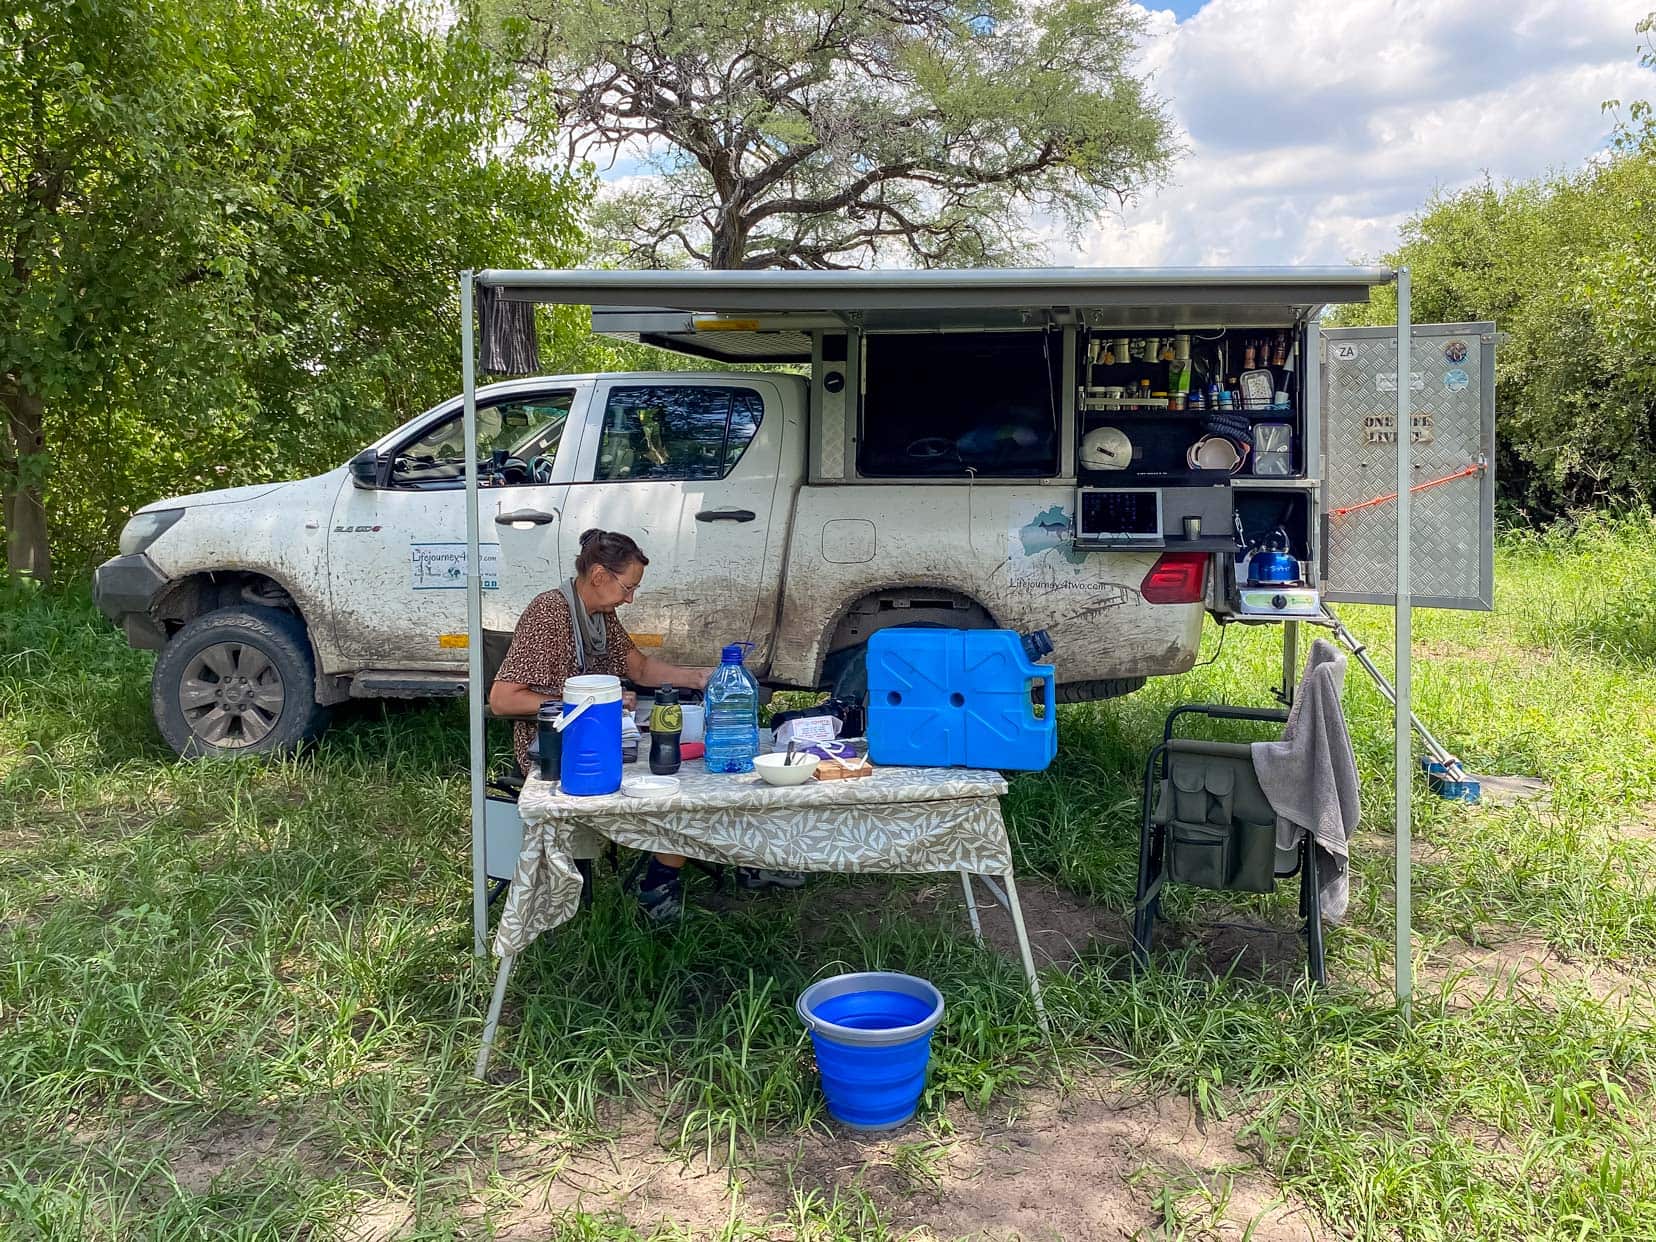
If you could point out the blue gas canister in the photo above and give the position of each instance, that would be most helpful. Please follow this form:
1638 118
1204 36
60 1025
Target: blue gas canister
958 698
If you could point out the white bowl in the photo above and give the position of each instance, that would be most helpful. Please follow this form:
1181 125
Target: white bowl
777 771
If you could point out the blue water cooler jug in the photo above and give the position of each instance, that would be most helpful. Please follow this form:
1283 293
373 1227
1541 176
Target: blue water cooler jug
958 698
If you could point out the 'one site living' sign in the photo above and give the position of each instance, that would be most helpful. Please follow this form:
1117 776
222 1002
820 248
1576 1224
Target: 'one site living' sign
1382 428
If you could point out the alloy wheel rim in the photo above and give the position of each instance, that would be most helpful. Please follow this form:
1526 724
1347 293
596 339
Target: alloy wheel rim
231 695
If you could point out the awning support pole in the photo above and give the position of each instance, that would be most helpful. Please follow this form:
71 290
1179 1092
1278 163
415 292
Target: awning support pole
475 689
1402 713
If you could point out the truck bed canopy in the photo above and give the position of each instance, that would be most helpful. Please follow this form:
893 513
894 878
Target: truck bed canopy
767 316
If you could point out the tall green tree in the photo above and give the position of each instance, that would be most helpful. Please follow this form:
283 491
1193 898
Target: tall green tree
231 232
831 133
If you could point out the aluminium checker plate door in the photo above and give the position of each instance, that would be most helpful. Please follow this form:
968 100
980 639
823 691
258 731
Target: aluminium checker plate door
1451 524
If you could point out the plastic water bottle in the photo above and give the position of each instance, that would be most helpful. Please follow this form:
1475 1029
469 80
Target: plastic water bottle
732 729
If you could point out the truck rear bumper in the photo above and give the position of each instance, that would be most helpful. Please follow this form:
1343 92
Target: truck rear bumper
123 588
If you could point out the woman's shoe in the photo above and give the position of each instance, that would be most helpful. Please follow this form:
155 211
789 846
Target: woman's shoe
663 905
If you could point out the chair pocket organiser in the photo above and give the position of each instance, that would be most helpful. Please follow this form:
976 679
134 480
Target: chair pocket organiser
1234 857
1256 857
1199 854
1204 793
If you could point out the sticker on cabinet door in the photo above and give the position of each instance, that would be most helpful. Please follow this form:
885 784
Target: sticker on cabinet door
1382 428
442 566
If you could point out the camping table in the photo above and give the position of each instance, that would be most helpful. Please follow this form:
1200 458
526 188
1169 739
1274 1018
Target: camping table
895 821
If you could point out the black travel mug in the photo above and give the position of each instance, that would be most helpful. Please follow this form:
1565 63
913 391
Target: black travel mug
548 740
666 726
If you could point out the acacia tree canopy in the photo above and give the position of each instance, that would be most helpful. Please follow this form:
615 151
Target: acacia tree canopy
831 133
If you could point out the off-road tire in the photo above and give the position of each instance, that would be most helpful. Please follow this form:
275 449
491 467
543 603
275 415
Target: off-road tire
276 635
1092 691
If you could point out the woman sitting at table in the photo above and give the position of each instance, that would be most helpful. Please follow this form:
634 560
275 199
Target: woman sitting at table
574 630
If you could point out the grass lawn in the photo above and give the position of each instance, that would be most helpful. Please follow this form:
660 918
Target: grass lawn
238 999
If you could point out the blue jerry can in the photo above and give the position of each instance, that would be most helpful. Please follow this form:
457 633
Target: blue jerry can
958 698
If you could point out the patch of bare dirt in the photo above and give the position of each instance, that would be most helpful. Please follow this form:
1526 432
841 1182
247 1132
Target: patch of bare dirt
1640 826
1525 962
379 1220
1089 1164
1062 926
231 1143
1273 954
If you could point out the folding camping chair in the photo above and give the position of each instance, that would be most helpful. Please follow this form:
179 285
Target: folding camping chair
1207 823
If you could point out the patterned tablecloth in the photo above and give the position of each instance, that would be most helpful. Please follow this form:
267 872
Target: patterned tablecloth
897 820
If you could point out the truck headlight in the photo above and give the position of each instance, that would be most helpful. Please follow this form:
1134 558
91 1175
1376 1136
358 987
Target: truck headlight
145 528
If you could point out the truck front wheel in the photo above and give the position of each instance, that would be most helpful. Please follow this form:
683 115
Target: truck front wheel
237 681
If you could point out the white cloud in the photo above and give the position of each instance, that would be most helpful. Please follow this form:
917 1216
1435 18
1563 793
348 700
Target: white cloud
1316 127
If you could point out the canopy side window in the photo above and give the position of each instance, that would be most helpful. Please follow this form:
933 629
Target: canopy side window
961 405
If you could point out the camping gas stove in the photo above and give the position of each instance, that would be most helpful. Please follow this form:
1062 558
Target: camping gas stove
1271 583
1286 602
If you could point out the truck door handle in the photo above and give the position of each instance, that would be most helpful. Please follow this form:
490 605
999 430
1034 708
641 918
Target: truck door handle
534 517
726 515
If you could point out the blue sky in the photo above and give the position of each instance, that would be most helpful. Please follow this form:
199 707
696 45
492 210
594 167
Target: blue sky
1315 128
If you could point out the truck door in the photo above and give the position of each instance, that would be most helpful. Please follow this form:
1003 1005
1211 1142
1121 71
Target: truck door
397 553
1452 517
690 469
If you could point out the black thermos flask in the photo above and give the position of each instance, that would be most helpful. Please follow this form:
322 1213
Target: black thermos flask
548 740
666 725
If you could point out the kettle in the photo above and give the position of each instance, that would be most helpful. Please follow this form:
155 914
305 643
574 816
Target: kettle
1272 564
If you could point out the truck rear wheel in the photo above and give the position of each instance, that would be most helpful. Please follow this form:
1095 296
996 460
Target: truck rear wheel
237 681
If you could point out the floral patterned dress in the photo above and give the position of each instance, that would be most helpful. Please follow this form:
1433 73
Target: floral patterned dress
542 655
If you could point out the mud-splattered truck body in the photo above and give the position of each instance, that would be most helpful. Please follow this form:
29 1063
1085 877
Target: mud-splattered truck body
929 452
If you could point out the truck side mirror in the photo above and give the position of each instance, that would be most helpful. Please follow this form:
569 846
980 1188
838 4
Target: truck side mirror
365 469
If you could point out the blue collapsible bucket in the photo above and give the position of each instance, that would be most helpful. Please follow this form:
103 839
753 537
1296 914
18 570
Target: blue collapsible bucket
872 1033
591 741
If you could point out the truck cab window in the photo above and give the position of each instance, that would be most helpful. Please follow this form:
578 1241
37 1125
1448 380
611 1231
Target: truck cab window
959 405
516 442
675 431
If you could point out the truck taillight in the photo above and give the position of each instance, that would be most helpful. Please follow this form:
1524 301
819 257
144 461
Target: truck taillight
1176 578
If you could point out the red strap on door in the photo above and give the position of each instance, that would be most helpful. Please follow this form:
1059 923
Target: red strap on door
1476 468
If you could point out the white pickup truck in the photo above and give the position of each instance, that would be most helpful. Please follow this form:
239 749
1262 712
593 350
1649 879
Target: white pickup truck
903 477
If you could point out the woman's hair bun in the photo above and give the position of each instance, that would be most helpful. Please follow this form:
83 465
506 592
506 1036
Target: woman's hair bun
609 548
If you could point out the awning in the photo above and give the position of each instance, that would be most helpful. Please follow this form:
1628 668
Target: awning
766 316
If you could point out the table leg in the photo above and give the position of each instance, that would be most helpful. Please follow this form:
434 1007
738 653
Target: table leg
492 1021
1023 948
971 906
